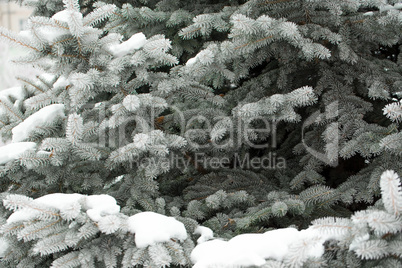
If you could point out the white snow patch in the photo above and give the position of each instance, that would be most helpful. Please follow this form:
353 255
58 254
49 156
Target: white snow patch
205 232
99 206
191 61
370 13
57 201
26 34
150 228
135 42
62 16
96 206
45 115
48 76
61 82
13 150
98 104
254 249
18 93
218 253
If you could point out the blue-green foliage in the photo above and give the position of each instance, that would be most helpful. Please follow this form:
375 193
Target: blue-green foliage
238 115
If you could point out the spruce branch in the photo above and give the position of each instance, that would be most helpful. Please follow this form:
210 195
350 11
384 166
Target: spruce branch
14 39
254 42
391 192
30 83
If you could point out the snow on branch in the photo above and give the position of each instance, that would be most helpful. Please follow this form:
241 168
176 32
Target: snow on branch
12 151
135 42
253 249
151 228
46 115
69 206
157 233
17 93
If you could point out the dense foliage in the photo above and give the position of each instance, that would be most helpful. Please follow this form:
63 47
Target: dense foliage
236 115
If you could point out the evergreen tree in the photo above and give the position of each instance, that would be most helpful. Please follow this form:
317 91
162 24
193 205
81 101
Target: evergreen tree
239 116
